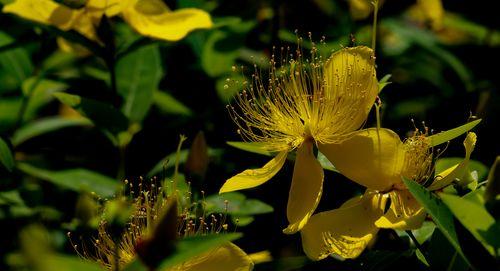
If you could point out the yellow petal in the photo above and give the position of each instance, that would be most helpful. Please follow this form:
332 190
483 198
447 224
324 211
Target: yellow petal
345 231
360 9
432 11
225 258
153 18
457 171
305 192
372 158
351 80
43 11
255 177
109 7
405 212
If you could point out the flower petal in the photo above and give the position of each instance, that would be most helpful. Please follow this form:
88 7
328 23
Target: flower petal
109 7
373 158
345 231
225 258
351 81
405 212
43 11
153 18
457 171
255 177
305 191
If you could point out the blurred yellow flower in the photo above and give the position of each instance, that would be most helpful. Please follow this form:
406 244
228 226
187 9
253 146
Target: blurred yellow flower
152 229
150 18
303 104
429 12
377 159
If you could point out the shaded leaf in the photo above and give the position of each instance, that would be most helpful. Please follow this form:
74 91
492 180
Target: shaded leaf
44 126
237 204
6 156
254 147
15 63
138 74
78 179
102 115
169 105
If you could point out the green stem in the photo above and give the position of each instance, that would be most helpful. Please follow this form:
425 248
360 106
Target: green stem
374 29
117 255
177 161
417 244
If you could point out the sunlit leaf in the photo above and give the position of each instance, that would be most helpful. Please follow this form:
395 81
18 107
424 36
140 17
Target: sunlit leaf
438 211
445 136
78 179
447 162
476 219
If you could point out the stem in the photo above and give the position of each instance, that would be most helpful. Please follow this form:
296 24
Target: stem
117 255
417 244
374 29
112 72
121 166
177 161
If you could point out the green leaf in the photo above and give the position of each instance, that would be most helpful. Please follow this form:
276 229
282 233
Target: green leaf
438 211
138 74
169 161
40 91
102 115
443 256
445 136
135 265
44 126
190 247
425 232
7 107
63 262
228 87
325 163
253 147
384 82
16 63
237 204
77 179
6 156
445 163
169 105
476 219
216 58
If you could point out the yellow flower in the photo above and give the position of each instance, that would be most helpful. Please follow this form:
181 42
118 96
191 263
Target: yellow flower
428 11
377 159
150 18
309 102
154 227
